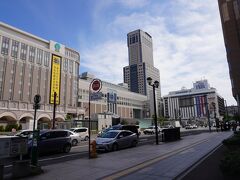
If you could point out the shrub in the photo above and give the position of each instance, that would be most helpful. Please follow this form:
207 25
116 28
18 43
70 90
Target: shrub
232 142
230 165
1 128
19 127
9 127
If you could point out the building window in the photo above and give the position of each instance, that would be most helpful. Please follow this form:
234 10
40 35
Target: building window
65 65
39 56
76 69
225 12
70 66
15 45
32 54
5 45
236 9
46 58
23 52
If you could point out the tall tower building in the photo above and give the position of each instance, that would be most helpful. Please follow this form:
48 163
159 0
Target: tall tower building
141 66
230 17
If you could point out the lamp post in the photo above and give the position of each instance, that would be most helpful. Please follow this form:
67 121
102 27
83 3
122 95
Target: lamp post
154 85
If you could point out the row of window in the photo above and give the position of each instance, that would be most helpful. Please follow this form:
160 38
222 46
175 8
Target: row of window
236 8
22 50
72 54
133 38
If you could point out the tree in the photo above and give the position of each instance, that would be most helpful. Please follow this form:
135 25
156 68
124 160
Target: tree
161 120
124 122
68 117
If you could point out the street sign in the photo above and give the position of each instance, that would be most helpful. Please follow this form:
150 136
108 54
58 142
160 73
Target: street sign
96 96
96 85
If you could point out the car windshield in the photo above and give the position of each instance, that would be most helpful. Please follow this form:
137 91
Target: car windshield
109 134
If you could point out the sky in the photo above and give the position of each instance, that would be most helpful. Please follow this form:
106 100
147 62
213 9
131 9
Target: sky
187 36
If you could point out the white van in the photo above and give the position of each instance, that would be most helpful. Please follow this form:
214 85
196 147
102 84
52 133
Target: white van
82 131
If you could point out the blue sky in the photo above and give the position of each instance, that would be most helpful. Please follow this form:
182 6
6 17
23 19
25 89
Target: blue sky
187 36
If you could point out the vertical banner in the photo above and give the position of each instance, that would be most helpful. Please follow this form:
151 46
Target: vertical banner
55 82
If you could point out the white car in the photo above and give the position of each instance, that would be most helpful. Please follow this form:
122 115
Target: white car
81 131
151 130
75 138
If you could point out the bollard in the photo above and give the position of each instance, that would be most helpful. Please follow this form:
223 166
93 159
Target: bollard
93 151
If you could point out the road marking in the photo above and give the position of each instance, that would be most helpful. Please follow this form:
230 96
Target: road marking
150 162
143 140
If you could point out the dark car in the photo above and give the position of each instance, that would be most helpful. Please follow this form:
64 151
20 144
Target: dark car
53 141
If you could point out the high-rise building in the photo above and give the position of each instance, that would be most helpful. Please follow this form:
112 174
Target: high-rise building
230 17
26 65
141 66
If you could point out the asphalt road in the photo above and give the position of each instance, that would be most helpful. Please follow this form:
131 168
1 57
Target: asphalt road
81 150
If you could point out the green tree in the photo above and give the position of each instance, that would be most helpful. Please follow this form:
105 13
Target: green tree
124 122
161 120
68 117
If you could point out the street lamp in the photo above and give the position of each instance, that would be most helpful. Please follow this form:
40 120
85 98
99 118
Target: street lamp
154 85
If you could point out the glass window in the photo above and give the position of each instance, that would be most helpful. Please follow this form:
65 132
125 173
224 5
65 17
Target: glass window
70 66
15 45
46 58
23 52
76 69
5 45
236 9
65 65
32 54
225 12
39 56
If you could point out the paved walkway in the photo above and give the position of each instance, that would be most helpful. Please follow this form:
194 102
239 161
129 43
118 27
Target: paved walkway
164 161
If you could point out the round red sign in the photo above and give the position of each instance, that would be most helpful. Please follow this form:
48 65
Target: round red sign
96 85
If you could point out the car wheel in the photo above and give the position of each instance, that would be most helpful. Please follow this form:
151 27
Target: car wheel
134 143
115 147
67 148
74 142
86 138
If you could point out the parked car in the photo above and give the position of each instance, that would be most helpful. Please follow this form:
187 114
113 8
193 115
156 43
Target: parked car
24 133
151 130
82 131
56 140
194 126
132 128
116 139
75 138
188 126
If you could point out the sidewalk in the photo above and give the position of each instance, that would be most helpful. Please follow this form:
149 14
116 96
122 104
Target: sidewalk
164 161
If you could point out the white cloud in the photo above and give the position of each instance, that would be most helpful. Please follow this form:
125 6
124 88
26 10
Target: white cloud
188 46
106 61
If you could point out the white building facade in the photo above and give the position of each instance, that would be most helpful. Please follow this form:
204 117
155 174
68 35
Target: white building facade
116 100
25 70
197 104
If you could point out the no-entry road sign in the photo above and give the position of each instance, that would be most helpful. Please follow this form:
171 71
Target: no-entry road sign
96 85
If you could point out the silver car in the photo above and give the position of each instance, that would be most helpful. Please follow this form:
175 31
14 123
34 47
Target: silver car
116 139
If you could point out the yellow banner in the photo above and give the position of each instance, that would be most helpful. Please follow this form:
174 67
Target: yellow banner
55 79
